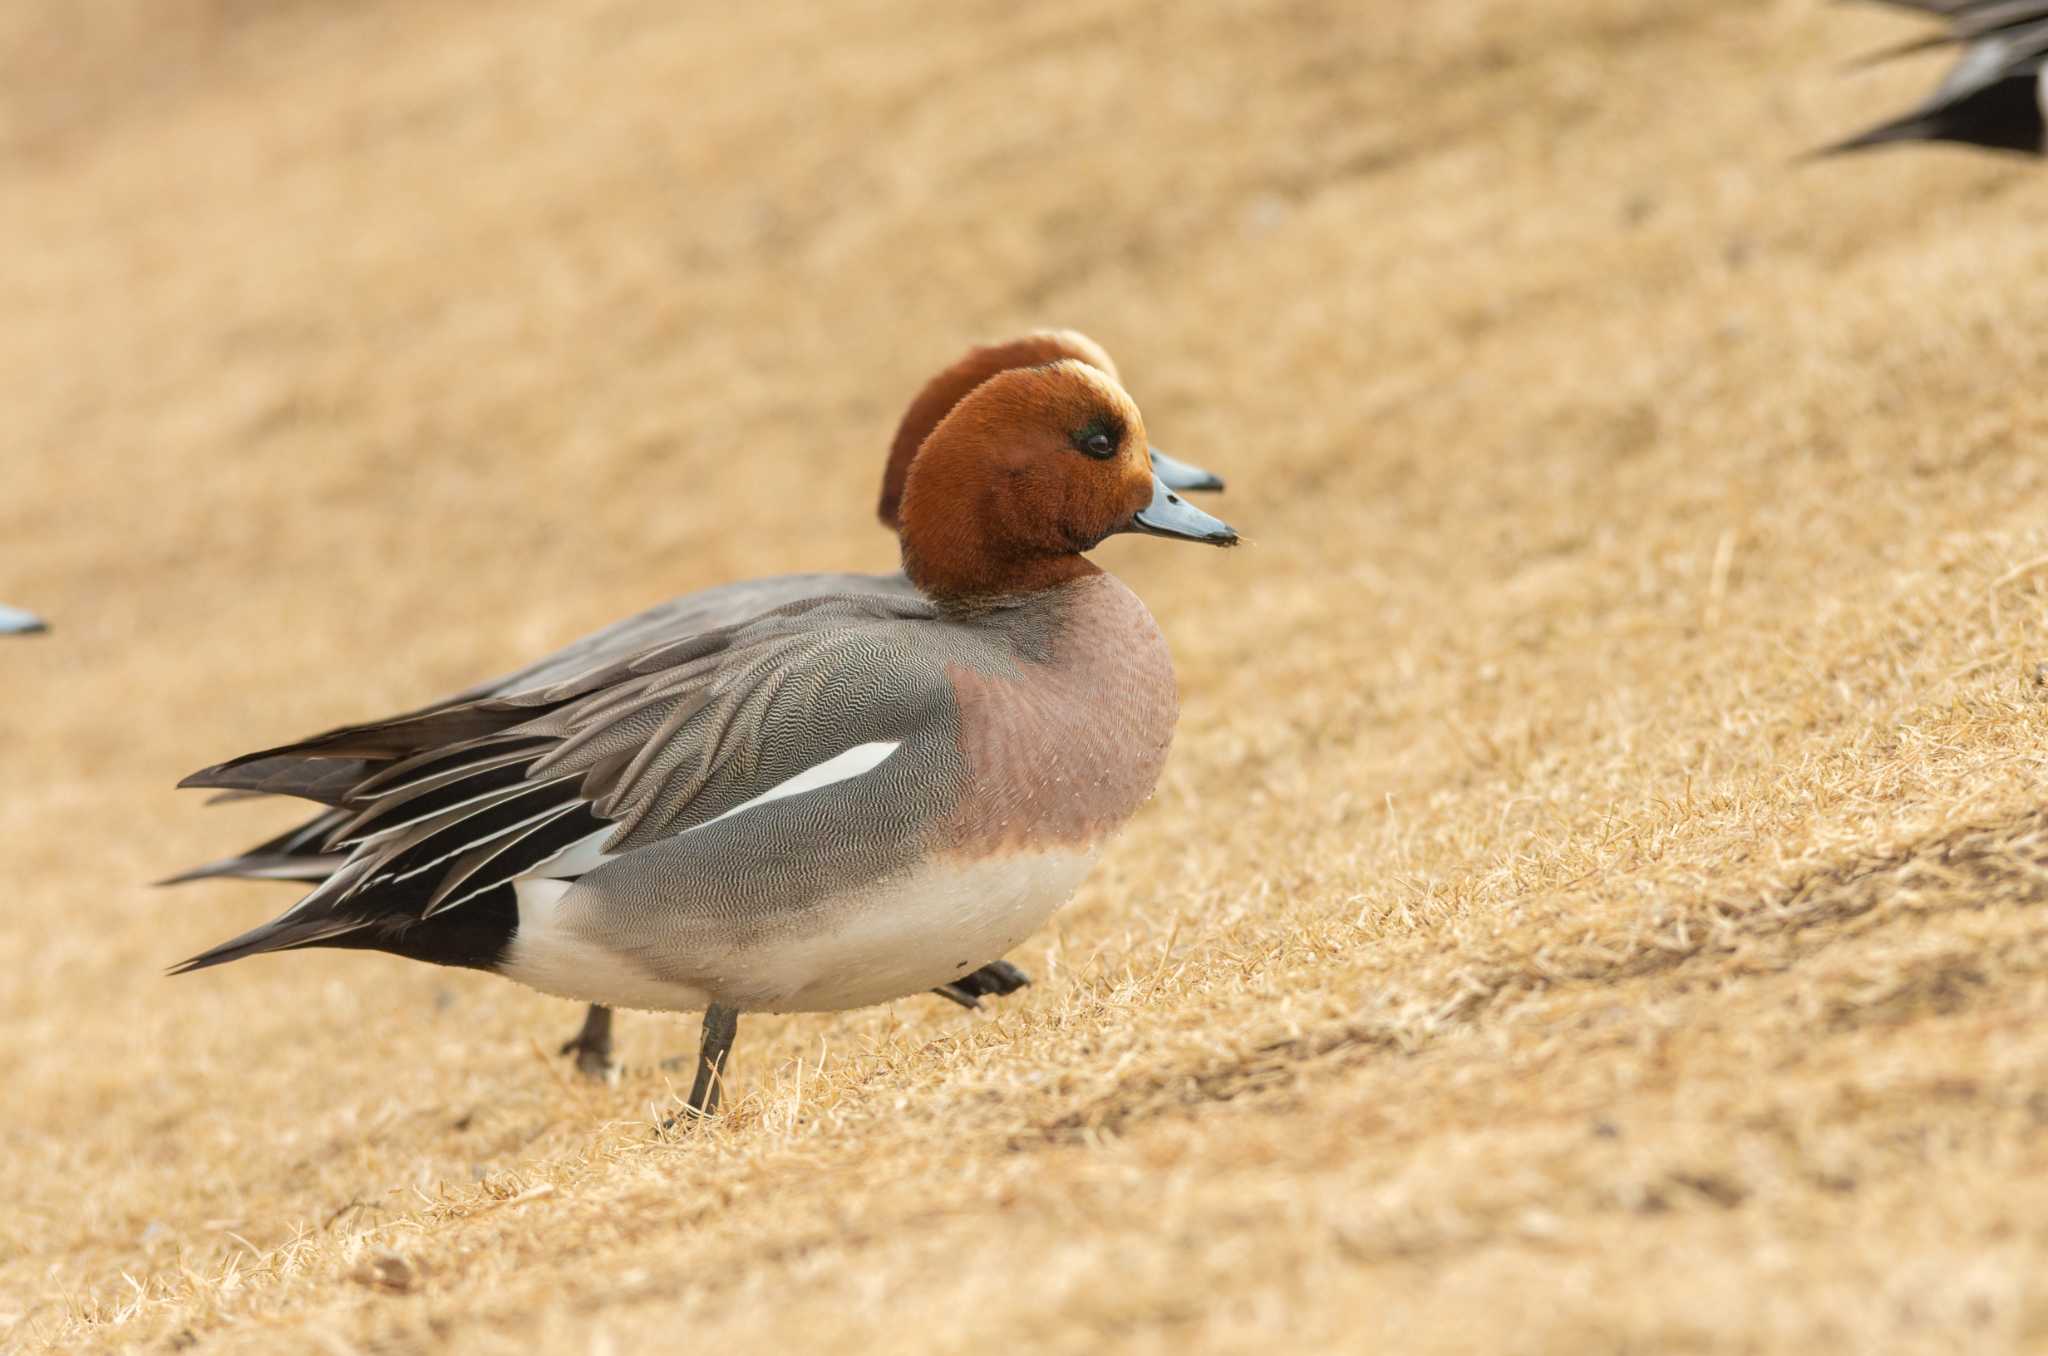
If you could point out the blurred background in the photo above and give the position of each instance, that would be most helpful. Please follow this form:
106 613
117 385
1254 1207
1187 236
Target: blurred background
1641 529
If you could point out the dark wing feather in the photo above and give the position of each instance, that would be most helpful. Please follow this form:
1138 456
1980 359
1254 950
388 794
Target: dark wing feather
1991 97
305 866
2002 56
419 799
320 768
296 854
503 862
379 742
658 742
1987 13
325 780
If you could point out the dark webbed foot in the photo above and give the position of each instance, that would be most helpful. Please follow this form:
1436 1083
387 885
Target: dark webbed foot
991 981
592 1046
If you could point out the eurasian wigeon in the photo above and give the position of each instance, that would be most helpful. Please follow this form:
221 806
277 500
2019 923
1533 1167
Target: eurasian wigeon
845 800
1995 96
15 622
304 853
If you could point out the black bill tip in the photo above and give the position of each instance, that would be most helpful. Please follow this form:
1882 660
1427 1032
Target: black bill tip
1169 515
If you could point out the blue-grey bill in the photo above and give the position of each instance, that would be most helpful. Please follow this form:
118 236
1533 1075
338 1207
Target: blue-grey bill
1169 515
1179 475
13 621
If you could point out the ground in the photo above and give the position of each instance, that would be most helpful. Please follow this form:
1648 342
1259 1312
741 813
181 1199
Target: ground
1596 900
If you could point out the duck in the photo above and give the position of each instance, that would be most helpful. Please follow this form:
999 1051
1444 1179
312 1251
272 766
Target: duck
1996 95
841 801
302 853
15 622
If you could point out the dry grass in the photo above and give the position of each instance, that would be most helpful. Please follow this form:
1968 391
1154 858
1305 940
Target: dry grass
1597 899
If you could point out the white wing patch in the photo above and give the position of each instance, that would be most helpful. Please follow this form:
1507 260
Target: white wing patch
550 954
844 767
586 854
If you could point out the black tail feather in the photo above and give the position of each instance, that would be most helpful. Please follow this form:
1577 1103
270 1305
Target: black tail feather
474 936
2005 116
284 933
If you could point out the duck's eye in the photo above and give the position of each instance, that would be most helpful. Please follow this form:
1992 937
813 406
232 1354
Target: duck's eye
1100 439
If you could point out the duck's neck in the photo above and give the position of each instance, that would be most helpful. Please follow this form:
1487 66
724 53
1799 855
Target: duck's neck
989 585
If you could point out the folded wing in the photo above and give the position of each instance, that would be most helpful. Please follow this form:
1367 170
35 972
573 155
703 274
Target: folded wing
450 806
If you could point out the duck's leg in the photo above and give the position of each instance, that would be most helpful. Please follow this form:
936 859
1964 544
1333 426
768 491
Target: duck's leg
592 1046
991 981
720 1026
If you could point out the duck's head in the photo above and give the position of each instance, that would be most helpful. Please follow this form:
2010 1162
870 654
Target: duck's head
1030 469
976 366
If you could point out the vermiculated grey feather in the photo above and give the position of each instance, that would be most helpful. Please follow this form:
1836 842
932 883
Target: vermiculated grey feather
524 766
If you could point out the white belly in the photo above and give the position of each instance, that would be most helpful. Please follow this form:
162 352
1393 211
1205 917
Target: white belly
551 953
944 920
918 930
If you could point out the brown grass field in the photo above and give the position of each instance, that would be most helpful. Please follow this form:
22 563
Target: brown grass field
1596 902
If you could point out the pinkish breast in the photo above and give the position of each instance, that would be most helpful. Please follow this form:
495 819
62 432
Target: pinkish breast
1061 751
